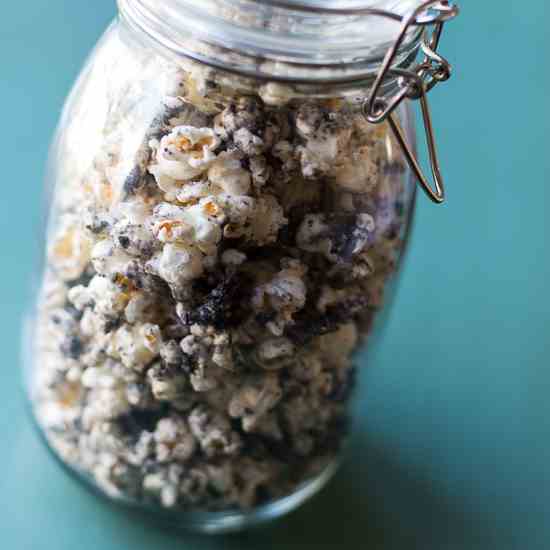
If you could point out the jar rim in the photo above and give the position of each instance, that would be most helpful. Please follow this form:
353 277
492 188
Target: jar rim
302 41
332 6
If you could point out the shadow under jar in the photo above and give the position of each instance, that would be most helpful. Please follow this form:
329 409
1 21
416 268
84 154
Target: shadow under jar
223 226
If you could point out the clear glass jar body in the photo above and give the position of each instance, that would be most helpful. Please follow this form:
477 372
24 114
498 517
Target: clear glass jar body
216 253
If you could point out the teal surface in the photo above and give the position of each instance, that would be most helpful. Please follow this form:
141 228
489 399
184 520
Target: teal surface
452 447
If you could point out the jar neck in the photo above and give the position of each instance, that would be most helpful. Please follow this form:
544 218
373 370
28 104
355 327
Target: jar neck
303 43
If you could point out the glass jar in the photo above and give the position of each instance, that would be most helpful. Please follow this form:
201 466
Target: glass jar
224 225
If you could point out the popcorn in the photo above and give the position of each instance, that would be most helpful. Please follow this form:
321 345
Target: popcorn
167 383
129 231
336 347
143 449
312 235
174 441
198 82
247 142
164 484
284 151
254 475
260 170
53 292
193 191
104 295
267 221
228 174
207 355
285 292
197 225
254 400
232 257
108 403
108 259
135 346
193 485
276 94
183 154
308 367
139 307
239 210
337 238
177 263
171 353
258 220
276 353
208 283
325 134
246 113
213 432
70 250
358 172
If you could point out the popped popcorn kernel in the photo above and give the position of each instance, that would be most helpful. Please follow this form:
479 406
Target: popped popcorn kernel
70 250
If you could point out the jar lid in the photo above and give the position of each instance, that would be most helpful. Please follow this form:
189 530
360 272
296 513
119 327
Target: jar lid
395 5
374 31
346 39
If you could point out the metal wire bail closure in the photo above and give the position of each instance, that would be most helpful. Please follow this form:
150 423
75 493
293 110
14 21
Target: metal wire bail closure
415 84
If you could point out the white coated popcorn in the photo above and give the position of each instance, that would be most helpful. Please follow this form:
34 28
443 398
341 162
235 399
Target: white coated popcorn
107 259
136 346
274 93
129 230
276 353
166 384
143 449
70 249
108 299
203 378
258 220
311 235
228 174
247 142
254 400
108 402
165 484
238 209
183 154
233 257
318 234
193 485
198 224
193 191
178 263
213 432
268 219
173 440
139 304
358 172
54 292
260 170
285 151
95 377
285 292
220 254
325 135
318 156
329 297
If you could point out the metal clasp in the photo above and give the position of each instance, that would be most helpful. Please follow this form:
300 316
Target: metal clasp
415 83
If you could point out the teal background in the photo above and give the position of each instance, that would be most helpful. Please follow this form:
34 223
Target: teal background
452 447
